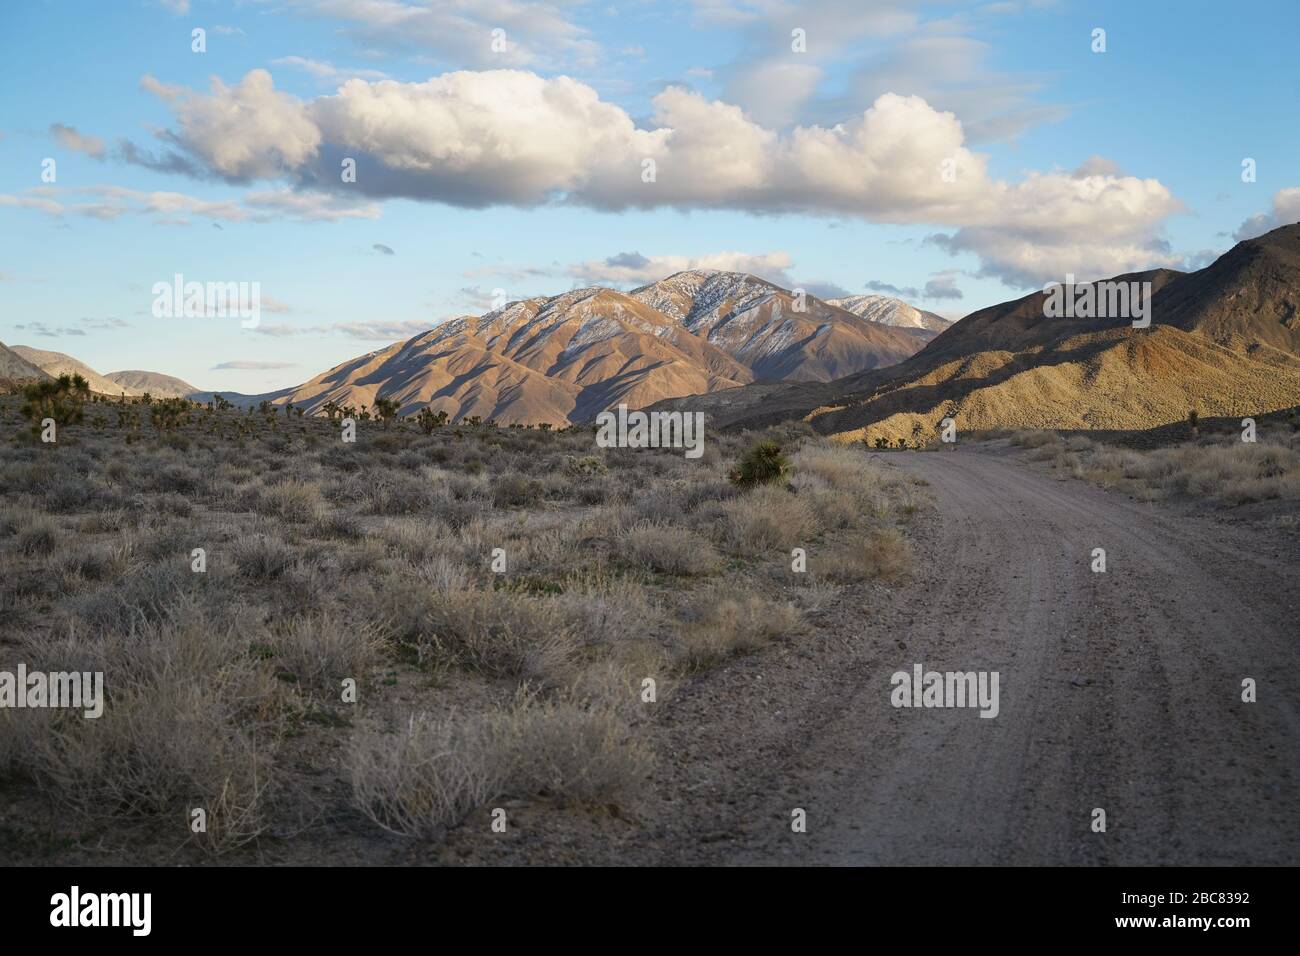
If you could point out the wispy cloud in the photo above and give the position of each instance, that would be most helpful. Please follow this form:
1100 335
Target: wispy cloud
632 268
47 331
327 72
69 138
375 331
173 208
248 365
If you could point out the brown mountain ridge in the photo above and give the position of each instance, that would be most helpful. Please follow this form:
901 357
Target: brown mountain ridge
1224 340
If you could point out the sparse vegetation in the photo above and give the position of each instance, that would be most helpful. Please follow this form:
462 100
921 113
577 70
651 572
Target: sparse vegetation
375 566
1216 466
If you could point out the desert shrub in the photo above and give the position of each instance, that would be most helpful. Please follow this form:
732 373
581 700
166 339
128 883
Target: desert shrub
608 611
512 491
392 493
884 554
181 728
767 519
573 752
761 464
417 541
37 535
432 773
145 596
833 508
178 478
497 633
583 467
262 558
668 548
296 501
320 650
455 511
335 524
67 495
729 623
1033 438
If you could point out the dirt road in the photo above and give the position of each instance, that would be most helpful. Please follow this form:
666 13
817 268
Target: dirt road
1118 690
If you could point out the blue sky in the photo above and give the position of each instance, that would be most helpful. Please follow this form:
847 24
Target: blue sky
482 169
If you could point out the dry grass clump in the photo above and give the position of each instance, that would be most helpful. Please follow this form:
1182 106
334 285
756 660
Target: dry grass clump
606 611
885 554
671 549
321 650
728 623
1226 470
496 633
1033 437
263 558
768 518
188 723
433 772
294 501
36 536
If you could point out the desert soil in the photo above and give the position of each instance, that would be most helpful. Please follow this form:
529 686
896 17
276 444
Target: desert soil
1119 690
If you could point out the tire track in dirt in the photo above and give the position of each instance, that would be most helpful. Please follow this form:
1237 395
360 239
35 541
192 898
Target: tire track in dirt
1119 690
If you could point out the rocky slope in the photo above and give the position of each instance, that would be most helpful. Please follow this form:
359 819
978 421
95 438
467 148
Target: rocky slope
1224 340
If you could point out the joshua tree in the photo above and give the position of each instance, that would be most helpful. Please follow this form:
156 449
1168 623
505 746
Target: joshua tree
1192 420
385 410
428 420
60 399
169 414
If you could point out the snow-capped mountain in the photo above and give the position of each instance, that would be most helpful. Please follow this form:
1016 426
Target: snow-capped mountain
773 332
565 358
890 311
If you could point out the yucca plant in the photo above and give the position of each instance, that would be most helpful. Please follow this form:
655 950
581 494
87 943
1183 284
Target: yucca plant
761 464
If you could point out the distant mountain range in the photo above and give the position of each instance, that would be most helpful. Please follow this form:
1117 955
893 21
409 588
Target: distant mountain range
155 383
1224 340
23 363
565 358
56 364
